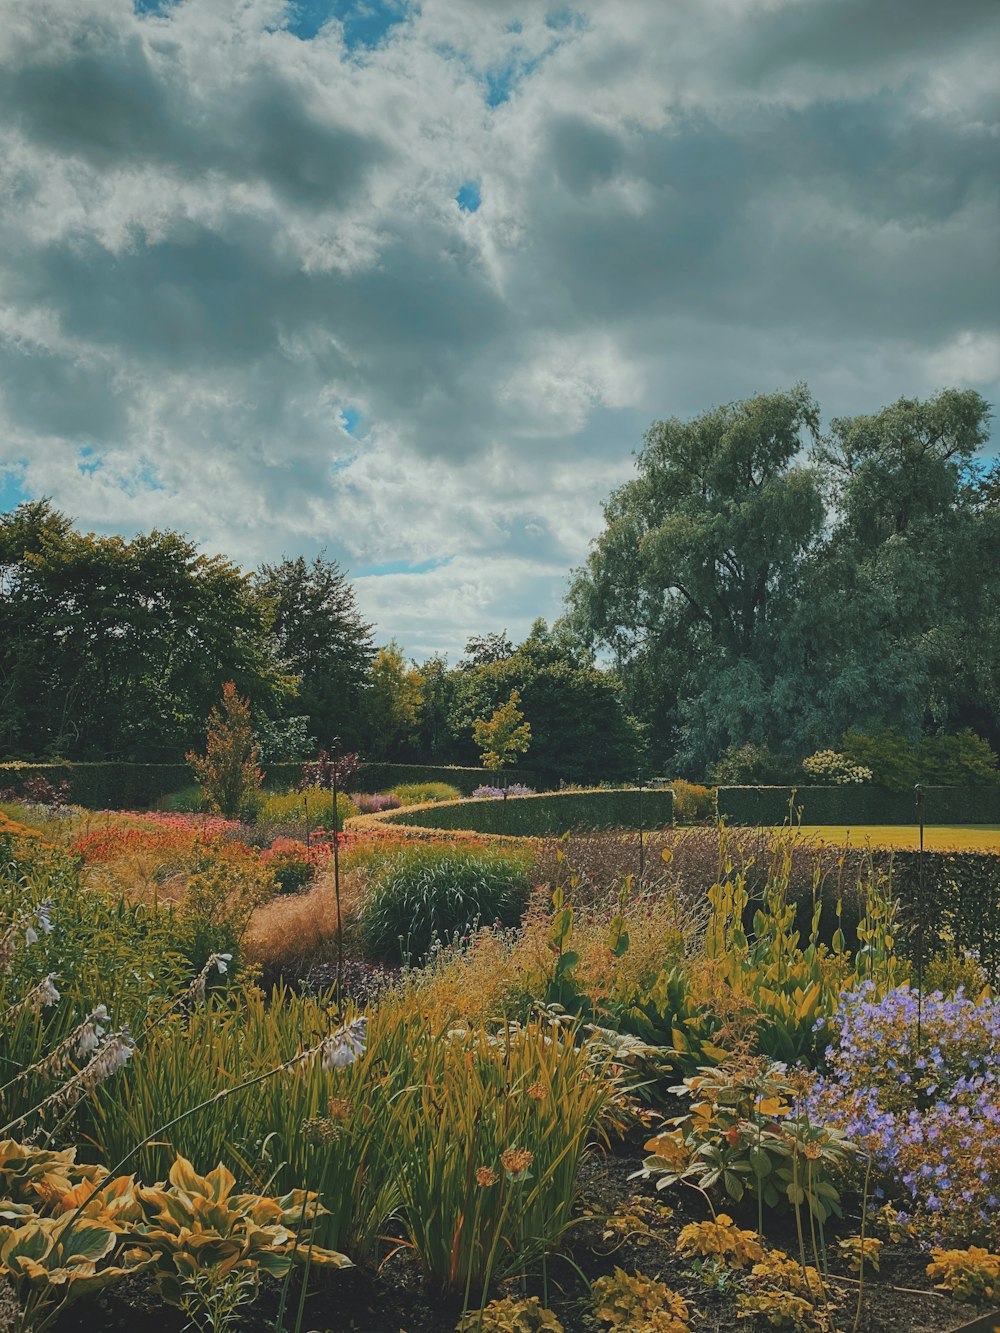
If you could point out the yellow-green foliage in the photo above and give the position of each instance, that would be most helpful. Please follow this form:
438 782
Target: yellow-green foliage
720 1238
488 1143
510 1316
76 1230
970 1275
692 801
313 807
638 1304
425 793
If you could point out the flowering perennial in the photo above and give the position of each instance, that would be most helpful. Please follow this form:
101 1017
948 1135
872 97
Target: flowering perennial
928 1114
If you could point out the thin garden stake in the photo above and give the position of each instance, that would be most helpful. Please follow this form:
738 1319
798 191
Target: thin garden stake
920 918
336 873
642 845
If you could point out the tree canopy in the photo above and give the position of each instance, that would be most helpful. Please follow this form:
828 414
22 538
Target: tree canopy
118 649
760 582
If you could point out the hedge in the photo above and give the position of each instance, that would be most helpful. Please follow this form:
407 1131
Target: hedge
113 785
857 804
955 897
551 814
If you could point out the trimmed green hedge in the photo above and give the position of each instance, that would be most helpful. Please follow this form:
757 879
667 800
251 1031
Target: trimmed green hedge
546 815
956 897
104 786
857 805
110 785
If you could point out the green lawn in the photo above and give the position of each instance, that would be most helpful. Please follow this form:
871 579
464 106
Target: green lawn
939 838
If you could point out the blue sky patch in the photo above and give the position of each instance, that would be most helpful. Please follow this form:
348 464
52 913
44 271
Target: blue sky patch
11 491
350 418
153 6
89 461
469 197
366 22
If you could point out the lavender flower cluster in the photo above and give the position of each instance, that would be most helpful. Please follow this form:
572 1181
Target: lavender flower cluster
515 789
927 1111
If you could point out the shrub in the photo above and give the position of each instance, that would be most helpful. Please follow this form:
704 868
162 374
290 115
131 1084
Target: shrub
887 753
293 864
692 801
745 1134
418 793
937 760
368 803
829 766
311 807
229 771
424 893
744 765
189 800
969 1275
638 1303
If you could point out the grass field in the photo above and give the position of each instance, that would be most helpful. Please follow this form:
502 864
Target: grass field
939 838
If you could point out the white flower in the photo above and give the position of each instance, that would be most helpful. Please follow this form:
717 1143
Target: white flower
46 991
345 1045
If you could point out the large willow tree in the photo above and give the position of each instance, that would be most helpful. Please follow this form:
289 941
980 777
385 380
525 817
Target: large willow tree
758 582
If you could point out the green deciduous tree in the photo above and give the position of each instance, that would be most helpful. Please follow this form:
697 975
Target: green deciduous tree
762 585
117 649
395 694
580 730
503 735
691 580
325 641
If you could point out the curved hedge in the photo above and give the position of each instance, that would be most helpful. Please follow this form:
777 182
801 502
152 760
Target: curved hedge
546 815
857 804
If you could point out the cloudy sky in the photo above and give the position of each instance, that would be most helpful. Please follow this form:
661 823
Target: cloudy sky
409 281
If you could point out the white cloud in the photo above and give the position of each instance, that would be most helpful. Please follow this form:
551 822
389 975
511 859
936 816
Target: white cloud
215 238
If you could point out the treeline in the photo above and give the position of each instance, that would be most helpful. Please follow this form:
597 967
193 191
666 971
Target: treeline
115 649
761 590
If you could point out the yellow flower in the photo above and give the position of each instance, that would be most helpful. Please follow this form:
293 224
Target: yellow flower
485 1177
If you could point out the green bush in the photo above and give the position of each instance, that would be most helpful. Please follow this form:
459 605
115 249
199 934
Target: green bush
423 892
552 813
313 806
856 805
745 764
420 793
118 786
939 760
692 801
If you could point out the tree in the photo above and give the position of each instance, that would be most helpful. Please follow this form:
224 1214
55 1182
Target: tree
580 729
324 640
754 600
394 698
691 580
117 649
229 771
504 735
